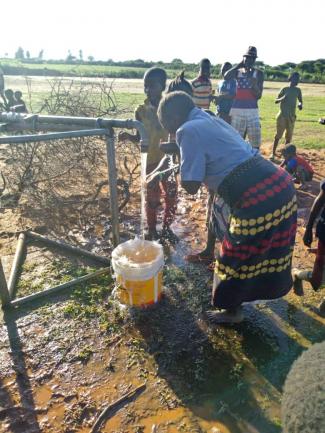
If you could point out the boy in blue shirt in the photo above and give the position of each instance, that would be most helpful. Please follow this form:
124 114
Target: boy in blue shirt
226 93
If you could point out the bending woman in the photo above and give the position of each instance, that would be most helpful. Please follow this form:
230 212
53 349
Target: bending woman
254 261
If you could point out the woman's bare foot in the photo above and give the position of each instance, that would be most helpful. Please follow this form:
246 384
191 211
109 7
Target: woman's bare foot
233 315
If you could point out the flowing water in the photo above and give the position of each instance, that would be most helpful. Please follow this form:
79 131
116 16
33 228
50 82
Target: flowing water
143 193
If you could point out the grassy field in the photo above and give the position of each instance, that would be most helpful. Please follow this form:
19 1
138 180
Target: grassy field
80 70
308 132
129 93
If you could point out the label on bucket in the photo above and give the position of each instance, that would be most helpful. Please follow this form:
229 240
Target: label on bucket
140 293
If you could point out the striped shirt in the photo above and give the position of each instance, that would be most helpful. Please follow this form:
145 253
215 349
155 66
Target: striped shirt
202 90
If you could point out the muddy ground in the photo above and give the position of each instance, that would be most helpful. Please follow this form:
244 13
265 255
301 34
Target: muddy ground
64 359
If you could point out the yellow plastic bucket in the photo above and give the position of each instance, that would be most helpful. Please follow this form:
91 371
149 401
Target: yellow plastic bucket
138 266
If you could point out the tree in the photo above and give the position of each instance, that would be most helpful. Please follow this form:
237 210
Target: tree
177 61
19 54
27 55
81 55
91 58
40 55
70 58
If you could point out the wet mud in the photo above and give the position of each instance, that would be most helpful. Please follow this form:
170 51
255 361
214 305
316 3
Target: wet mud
64 359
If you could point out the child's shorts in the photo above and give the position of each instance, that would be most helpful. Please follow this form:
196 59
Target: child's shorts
286 124
303 175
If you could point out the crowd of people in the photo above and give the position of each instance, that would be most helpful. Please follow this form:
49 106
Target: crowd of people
11 100
252 205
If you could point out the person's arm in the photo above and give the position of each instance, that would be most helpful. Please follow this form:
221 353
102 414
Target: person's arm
281 96
317 206
257 87
193 164
291 165
134 138
229 93
300 100
232 73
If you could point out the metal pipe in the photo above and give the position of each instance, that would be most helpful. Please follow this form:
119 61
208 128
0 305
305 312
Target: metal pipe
55 289
15 139
15 268
102 127
112 176
4 293
34 121
72 249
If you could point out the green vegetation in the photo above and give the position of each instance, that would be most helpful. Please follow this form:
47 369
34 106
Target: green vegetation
308 132
127 95
312 71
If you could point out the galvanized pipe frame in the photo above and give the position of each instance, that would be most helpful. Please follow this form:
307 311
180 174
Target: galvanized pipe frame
41 122
99 127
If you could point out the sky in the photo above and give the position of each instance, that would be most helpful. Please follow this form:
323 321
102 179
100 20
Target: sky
282 30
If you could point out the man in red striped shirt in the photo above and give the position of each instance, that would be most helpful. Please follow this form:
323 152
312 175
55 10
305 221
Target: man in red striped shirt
202 86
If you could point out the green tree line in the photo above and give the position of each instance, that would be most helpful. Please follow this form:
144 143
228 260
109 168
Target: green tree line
312 71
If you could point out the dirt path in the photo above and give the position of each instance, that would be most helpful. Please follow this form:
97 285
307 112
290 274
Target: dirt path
62 362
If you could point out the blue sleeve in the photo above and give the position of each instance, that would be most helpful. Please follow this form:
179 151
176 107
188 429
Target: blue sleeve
192 155
292 164
233 88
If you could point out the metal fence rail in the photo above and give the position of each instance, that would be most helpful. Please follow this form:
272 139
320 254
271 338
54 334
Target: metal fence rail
64 127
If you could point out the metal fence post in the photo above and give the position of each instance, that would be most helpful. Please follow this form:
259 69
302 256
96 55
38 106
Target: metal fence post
4 293
112 182
15 268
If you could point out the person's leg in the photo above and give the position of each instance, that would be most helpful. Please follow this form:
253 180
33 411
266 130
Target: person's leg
301 175
254 129
229 315
321 307
211 238
280 128
238 122
152 204
316 277
206 255
318 274
169 194
290 124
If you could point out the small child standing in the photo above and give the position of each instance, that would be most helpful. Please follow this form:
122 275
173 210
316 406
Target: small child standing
296 165
154 85
9 99
226 93
286 117
316 277
20 106
202 86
